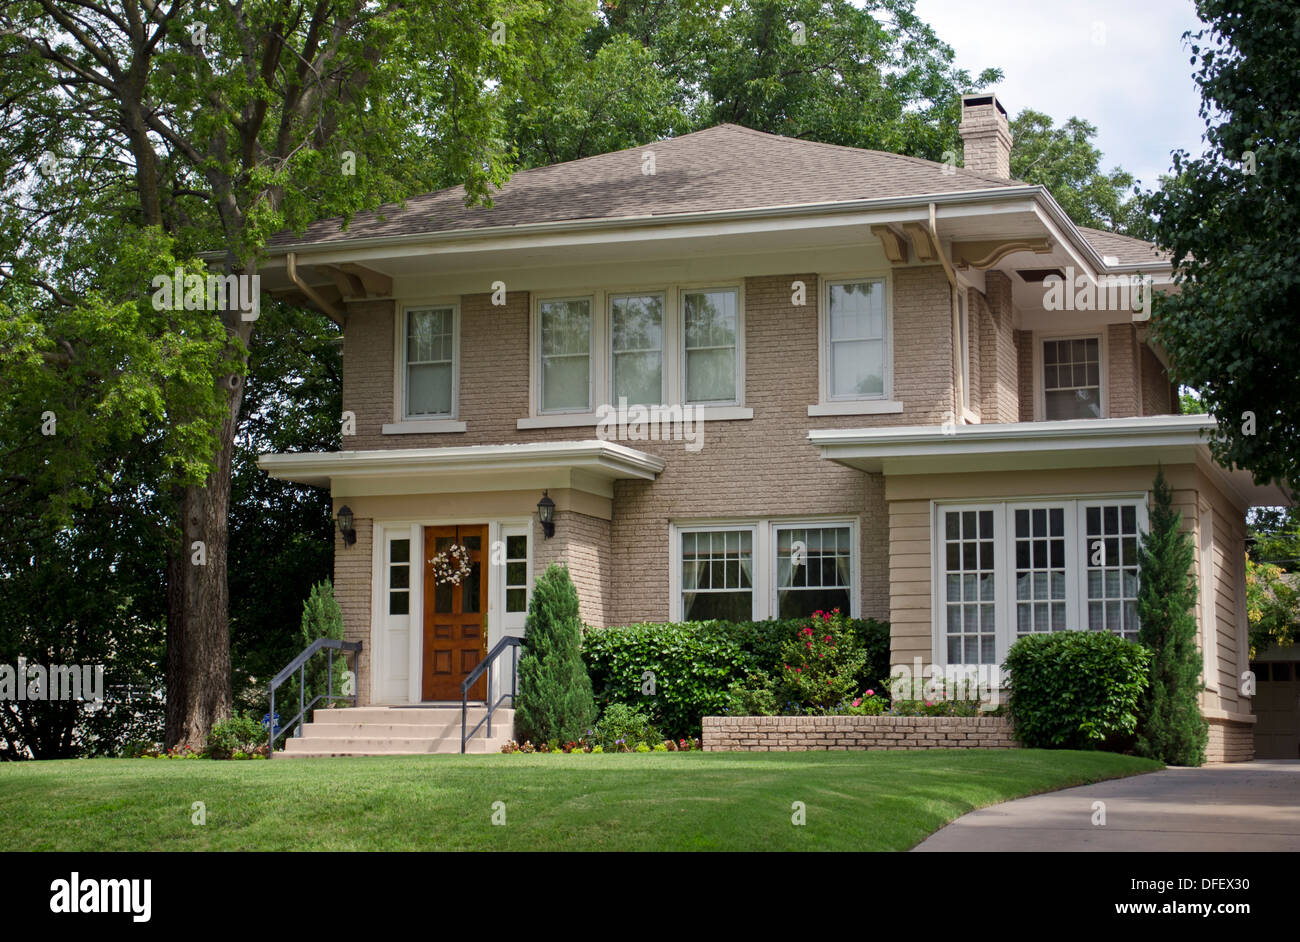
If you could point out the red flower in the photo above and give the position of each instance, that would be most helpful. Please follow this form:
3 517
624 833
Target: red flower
828 639
809 643
827 617
798 670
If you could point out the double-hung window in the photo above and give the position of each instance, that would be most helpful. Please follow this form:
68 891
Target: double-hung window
1072 378
711 325
1009 569
814 570
430 362
857 339
565 326
637 348
717 575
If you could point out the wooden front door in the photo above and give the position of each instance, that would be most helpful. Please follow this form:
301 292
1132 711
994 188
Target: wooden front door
455 616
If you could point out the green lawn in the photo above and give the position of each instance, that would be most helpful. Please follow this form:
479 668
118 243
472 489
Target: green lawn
660 801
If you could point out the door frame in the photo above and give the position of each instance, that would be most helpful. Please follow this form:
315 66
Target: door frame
498 623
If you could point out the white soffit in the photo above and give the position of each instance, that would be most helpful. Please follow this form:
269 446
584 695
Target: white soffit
590 466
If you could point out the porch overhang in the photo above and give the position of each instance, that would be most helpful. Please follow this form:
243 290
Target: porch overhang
1036 446
591 466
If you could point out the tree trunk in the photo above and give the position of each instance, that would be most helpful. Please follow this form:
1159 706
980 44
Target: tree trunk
198 635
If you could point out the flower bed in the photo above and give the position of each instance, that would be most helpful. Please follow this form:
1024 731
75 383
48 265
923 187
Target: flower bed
806 733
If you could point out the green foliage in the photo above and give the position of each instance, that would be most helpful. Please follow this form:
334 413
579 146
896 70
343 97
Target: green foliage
1229 219
1170 727
820 664
754 695
676 672
1272 606
1064 160
761 642
555 701
235 738
1075 689
623 728
321 618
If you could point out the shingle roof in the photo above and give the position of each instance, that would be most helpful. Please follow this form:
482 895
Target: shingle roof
1128 250
723 167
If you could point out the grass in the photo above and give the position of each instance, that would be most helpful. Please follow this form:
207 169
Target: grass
659 801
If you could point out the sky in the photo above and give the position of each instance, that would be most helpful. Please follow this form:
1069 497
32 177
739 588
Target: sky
1120 64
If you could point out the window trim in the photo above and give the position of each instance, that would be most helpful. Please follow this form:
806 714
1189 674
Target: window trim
1103 371
595 339
406 421
1004 562
739 390
764 529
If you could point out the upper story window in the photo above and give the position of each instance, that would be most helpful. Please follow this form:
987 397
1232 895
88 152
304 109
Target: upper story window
857 338
566 342
711 330
1072 378
430 361
636 323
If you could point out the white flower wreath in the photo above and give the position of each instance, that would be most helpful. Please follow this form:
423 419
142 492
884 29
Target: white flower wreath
451 565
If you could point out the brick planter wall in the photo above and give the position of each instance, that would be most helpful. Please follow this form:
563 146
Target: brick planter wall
806 733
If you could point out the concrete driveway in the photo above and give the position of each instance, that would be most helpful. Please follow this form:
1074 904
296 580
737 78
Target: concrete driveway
1238 807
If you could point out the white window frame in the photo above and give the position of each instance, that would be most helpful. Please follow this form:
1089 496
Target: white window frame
407 422
764 580
1103 372
828 404
595 366
665 340
513 622
739 390
1004 561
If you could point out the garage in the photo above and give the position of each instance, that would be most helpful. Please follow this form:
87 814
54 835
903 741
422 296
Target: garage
1277 704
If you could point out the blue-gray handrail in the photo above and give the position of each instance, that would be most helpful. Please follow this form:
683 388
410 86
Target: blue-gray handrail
298 664
511 642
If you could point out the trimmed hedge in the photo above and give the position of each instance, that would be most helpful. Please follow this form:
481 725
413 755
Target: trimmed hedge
1075 689
694 663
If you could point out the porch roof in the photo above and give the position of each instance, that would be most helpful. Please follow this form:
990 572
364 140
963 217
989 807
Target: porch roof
592 465
1032 446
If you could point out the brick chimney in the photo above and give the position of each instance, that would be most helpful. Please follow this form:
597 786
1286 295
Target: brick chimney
985 135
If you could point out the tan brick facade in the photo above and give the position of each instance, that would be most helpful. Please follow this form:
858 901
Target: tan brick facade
352 589
822 733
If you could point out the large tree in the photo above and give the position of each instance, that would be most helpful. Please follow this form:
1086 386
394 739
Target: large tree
1229 218
180 128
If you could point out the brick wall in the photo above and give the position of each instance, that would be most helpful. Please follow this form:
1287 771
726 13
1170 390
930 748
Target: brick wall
1122 384
1155 386
1230 742
812 733
1024 342
582 543
352 590
999 388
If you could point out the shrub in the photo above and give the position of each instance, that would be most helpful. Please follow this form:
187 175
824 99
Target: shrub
760 643
755 695
1170 725
321 618
1074 689
622 728
690 665
821 662
555 701
237 737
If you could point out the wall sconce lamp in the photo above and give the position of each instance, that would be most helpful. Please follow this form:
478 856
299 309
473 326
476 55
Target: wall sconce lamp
345 525
546 515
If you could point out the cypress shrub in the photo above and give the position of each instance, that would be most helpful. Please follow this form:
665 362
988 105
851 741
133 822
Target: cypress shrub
1170 725
555 701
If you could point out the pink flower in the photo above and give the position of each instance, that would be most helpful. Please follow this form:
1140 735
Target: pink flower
870 693
858 702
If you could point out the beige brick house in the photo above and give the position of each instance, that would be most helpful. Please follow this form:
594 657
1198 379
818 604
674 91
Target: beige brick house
874 405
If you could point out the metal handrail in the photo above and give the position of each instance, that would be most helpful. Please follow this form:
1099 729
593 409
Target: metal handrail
509 641
298 664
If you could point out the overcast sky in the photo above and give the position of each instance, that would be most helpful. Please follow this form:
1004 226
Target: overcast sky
1133 83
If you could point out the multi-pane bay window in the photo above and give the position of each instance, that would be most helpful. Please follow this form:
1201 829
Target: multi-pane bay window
637 347
813 570
566 331
430 361
858 346
1009 569
764 569
717 576
710 327
1072 378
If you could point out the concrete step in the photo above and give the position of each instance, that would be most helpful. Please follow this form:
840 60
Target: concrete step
367 746
401 730
408 716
